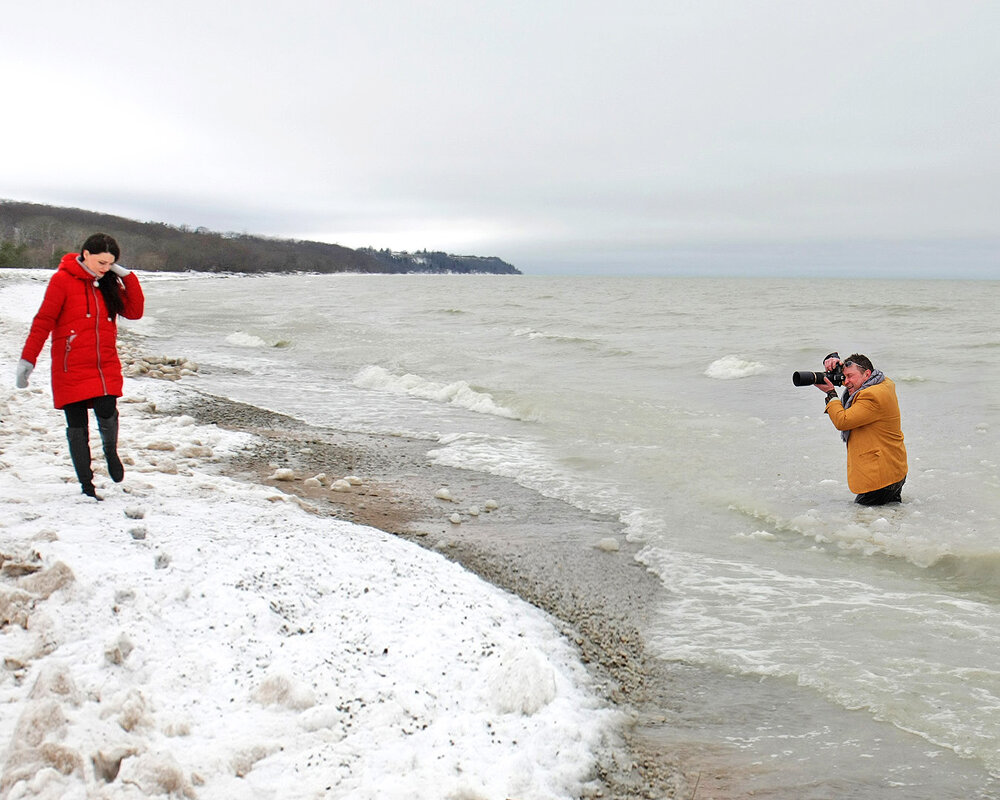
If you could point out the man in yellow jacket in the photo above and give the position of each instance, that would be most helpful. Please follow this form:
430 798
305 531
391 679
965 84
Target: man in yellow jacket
868 419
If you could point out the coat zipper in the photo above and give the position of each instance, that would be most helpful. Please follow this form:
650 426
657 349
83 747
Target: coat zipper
97 337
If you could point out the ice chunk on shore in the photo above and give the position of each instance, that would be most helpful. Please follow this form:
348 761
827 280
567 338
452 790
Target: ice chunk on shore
282 690
523 682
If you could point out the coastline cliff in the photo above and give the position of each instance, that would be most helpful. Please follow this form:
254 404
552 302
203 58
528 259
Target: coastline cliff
34 235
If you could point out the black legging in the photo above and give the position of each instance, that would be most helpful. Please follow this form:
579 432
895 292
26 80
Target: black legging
76 413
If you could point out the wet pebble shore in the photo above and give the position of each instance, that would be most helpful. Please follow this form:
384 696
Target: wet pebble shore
576 566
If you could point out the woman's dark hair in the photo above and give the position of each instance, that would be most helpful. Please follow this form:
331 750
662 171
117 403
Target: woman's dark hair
101 243
109 285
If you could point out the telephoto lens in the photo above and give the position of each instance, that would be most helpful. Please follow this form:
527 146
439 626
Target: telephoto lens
808 378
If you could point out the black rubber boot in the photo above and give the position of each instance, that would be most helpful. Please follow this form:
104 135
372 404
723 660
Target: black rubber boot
109 437
79 452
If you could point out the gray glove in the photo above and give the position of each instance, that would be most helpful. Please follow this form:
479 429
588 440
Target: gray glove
120 271
24 369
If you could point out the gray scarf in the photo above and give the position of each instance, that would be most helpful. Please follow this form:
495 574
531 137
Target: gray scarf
876 377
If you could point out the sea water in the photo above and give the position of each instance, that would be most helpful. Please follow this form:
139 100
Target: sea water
668 403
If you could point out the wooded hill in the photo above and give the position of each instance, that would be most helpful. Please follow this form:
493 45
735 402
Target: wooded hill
33 235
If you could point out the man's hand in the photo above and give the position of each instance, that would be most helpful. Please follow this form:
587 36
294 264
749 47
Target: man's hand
826 387
831 364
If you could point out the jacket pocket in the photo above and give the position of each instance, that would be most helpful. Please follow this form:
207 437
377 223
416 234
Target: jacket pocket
68 349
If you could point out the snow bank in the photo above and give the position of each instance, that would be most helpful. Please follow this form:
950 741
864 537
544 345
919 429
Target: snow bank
192 636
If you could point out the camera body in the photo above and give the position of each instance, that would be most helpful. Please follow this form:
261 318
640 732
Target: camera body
835 375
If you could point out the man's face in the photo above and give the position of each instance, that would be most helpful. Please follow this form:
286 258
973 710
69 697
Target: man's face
854 377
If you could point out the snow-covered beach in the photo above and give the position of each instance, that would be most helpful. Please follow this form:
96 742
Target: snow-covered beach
700 556
195 635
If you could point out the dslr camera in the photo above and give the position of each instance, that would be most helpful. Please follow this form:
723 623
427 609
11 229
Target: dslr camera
835 375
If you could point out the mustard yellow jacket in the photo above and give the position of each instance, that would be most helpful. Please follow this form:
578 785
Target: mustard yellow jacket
876 456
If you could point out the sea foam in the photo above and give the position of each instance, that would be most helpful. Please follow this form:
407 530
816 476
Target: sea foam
458 393
242 339
729 368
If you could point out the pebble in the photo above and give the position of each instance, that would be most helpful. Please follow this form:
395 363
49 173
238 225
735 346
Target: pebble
455 519
138 533
340 486
491 505
283 474
134 512
443 494
609 545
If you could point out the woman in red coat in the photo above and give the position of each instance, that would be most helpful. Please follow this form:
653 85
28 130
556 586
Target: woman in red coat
82 302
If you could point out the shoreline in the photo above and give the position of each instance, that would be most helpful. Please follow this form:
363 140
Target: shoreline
561 572
592 592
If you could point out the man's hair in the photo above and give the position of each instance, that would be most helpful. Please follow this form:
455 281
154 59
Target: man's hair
862 362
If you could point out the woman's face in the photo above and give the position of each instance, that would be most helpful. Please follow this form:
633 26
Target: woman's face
98 263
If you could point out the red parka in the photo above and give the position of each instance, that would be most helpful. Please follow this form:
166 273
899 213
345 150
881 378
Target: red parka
84 338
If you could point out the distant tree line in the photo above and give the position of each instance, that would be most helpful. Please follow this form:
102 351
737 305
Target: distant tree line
33 235
425 261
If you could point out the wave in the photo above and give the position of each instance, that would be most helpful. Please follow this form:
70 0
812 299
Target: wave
459 393
971 571
880 530
591 345
531 333
889 531
243 339
730 368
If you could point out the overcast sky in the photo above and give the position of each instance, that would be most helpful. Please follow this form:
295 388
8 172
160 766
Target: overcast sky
780 136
